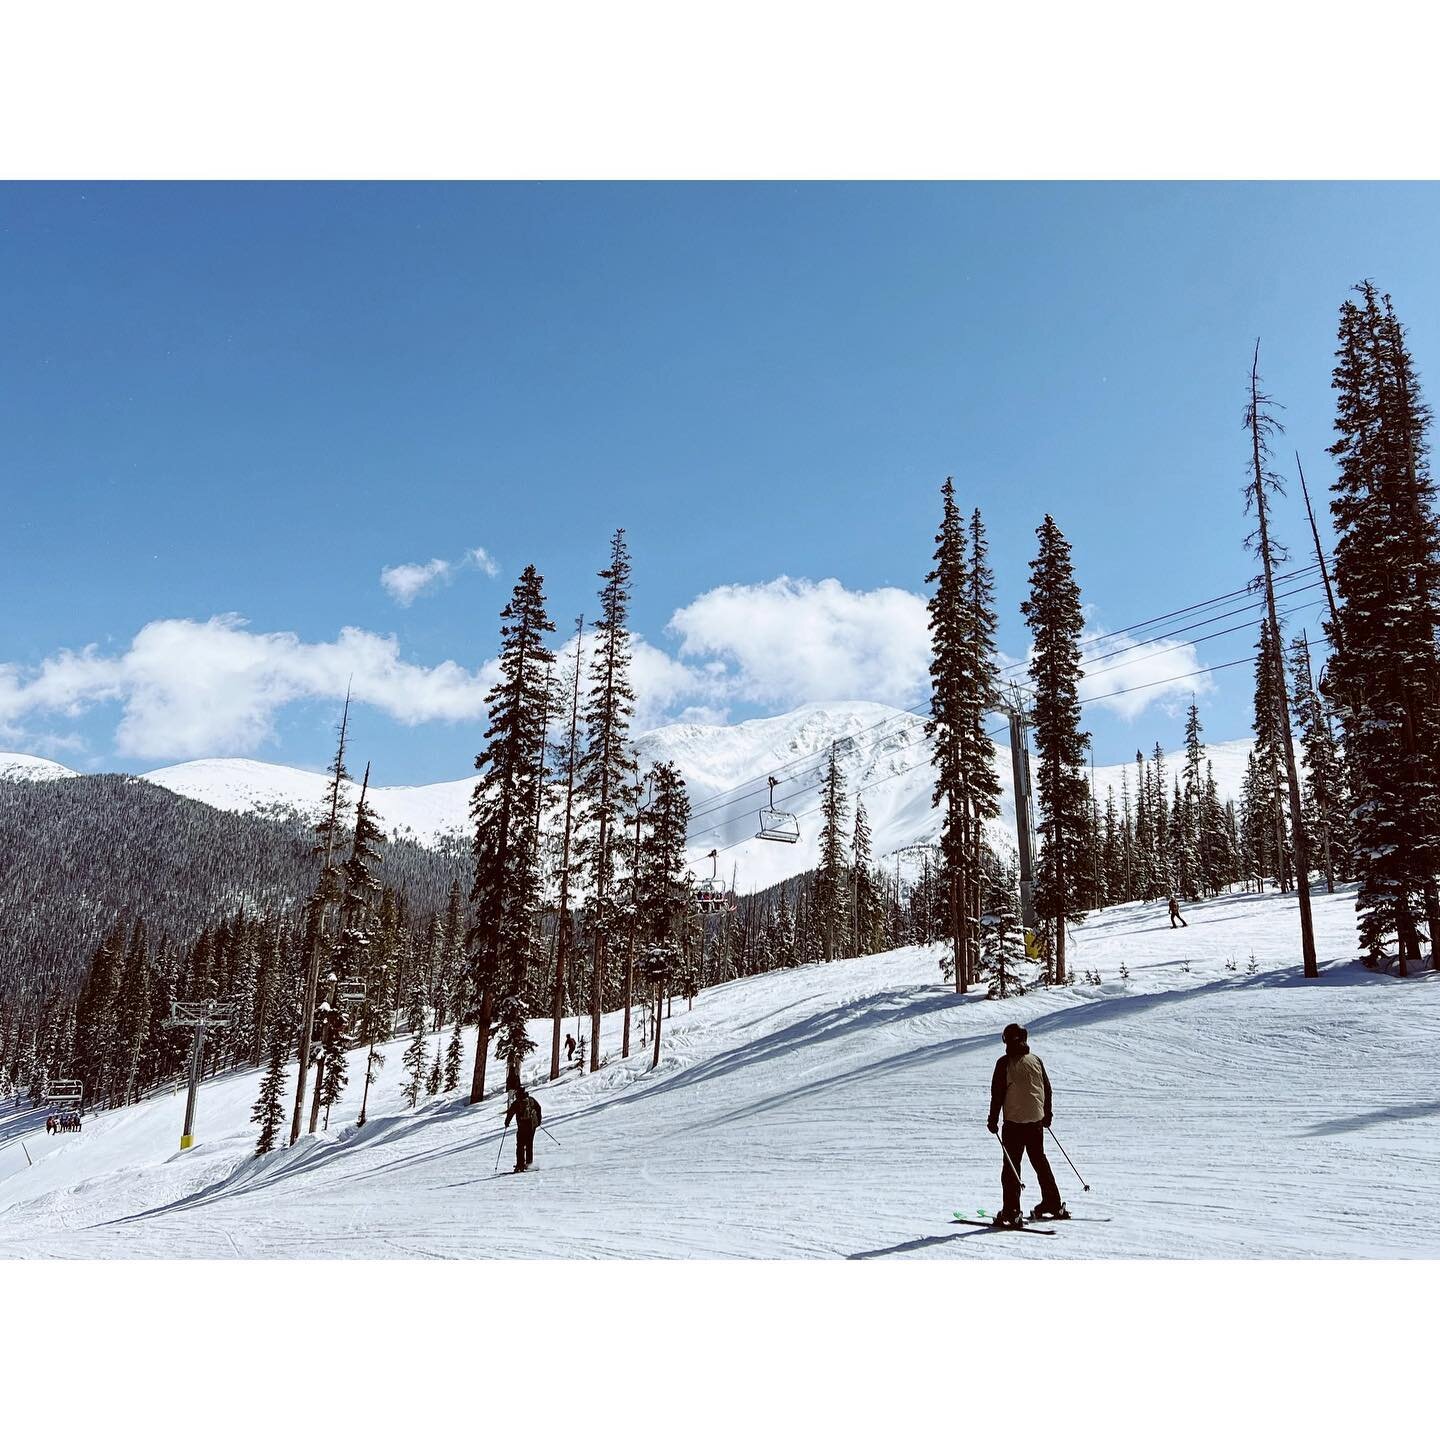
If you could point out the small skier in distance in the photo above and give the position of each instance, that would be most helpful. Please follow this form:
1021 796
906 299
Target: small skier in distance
1021 1088
525 1112
569 1048
1176 915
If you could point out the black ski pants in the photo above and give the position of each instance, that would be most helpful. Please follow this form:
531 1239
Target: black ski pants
1020 1140
524 1147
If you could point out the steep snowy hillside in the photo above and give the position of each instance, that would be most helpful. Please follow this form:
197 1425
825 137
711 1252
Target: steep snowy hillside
423 813
882 753
32 767
839 1110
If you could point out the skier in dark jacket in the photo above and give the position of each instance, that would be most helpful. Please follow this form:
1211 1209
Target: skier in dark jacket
525 1112
1021 1088
1176 915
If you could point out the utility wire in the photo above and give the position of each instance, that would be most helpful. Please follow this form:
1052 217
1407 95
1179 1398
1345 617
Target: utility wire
1109 695
732 797
725 798
884 779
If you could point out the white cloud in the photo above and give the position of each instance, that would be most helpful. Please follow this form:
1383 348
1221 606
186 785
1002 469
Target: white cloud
481 558
788 641
404 583
666 689
190 688
1151 671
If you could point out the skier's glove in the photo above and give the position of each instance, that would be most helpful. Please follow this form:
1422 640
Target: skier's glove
993 1125
1048 1119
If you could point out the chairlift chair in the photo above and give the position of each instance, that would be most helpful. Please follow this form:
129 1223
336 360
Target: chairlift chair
779 825
711 896
66 1094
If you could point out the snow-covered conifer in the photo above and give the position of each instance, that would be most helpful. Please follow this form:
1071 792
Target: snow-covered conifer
1055 619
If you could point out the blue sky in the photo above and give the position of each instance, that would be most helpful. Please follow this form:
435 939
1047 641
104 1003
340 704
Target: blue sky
251 400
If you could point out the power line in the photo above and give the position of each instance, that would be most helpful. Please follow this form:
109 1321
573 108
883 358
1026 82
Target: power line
884 779
726 799
1109 695
1200 605
1197 624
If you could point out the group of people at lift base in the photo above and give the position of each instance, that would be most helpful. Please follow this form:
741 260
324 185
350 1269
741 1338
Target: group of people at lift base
64 1123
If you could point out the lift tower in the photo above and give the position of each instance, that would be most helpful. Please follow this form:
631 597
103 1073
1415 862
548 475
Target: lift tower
1014 707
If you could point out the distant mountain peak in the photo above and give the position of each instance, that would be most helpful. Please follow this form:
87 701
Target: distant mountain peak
881 750
32 767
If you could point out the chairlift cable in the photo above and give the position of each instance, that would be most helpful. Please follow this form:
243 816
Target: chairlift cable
725 798
1108 695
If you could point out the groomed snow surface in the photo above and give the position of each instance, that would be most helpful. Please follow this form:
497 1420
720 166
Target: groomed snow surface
839 1111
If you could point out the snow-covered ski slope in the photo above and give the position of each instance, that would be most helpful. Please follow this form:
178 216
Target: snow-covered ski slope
839 1111
882 752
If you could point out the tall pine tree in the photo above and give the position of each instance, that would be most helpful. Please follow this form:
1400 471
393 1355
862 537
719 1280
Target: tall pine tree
963 687
1055 619
1384 668
504 808
329 837
830 878
605 791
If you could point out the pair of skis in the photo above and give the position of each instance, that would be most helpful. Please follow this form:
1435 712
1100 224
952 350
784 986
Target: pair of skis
987 1222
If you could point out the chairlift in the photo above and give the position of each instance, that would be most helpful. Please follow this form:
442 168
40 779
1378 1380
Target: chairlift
775 824
711 896
64 1093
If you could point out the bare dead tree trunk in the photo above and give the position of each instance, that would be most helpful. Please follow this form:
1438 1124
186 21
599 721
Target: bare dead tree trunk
317 941
562 932
1060 908
1292 778
482 1041
634 922
1320 560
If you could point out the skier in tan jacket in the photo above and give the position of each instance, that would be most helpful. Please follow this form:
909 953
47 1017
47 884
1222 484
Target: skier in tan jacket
1021 1088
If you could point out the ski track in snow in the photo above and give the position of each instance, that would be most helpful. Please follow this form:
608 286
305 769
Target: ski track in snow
838 1111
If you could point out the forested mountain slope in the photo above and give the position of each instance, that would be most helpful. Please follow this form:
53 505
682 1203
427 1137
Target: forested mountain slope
77 854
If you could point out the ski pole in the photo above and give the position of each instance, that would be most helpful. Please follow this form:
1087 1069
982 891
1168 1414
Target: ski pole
501 1150
1009 1161
1068 1160
552 1137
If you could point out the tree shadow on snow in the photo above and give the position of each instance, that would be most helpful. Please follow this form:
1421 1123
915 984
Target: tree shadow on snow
1089 1012
837 1025
1414 1110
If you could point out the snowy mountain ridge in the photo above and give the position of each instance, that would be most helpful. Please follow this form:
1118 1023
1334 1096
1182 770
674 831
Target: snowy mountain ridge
32 767
881 751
